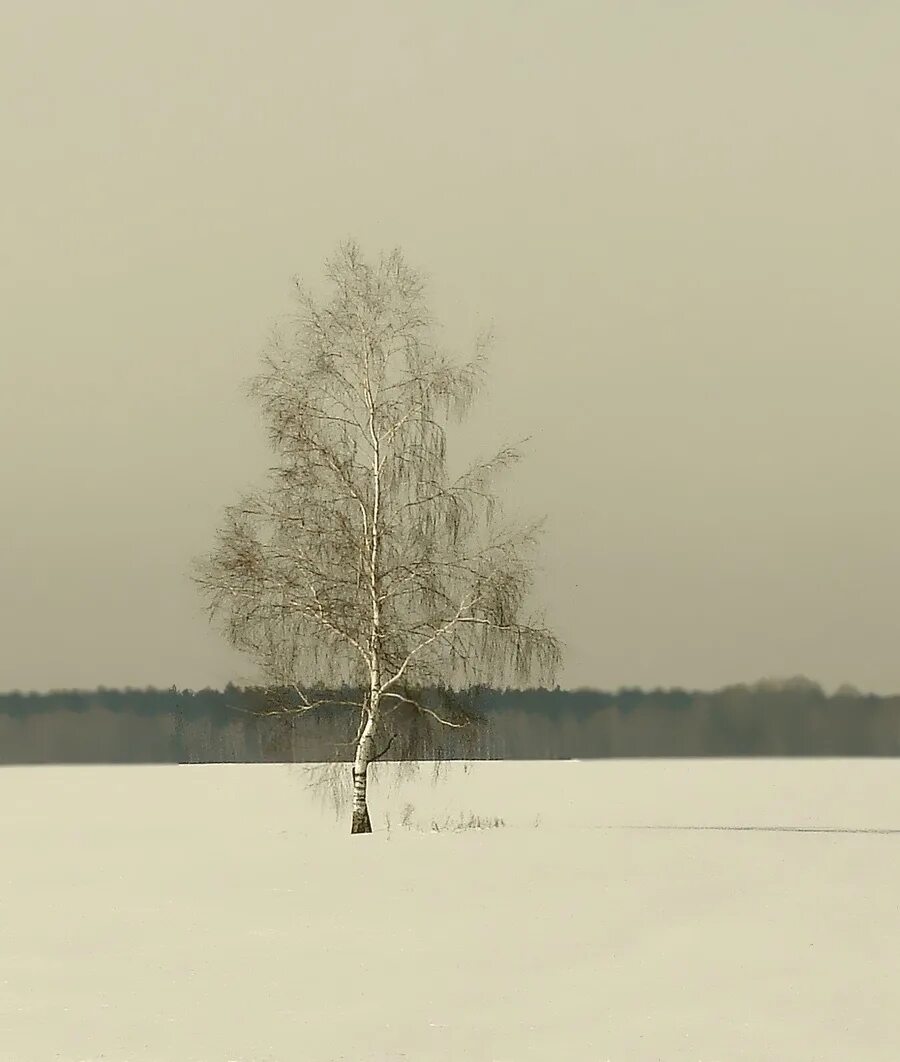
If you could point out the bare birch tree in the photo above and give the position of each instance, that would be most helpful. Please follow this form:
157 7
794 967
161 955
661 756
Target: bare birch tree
362 563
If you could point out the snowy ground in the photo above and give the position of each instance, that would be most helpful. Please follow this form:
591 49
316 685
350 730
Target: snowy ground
215 913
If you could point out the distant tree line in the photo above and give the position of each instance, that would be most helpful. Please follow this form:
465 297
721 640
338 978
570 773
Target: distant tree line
788 718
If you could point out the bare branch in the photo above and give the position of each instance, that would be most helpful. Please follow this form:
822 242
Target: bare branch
424 708
383 752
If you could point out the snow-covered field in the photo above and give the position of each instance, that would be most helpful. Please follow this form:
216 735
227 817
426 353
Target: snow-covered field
214 913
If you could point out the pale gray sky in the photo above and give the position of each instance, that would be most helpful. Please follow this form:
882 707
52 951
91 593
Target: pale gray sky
683 219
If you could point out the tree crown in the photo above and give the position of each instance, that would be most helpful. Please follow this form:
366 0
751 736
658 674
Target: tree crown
361 561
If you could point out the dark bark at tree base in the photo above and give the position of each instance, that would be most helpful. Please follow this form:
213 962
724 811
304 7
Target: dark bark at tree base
361 823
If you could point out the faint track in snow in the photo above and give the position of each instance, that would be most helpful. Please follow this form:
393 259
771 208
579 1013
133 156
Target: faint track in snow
764 829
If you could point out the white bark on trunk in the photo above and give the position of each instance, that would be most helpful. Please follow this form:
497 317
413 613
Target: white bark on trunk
365 749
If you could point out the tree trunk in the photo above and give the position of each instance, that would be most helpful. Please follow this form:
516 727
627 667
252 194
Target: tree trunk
361 822
364 752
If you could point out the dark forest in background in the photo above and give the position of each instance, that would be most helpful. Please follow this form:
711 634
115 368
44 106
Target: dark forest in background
790 718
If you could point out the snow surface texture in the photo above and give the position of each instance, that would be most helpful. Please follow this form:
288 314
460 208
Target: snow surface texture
215 913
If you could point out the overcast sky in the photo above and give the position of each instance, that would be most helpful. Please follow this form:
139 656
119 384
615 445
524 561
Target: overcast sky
683 220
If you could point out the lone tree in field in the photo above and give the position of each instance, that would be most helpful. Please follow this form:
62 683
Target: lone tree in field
363 563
